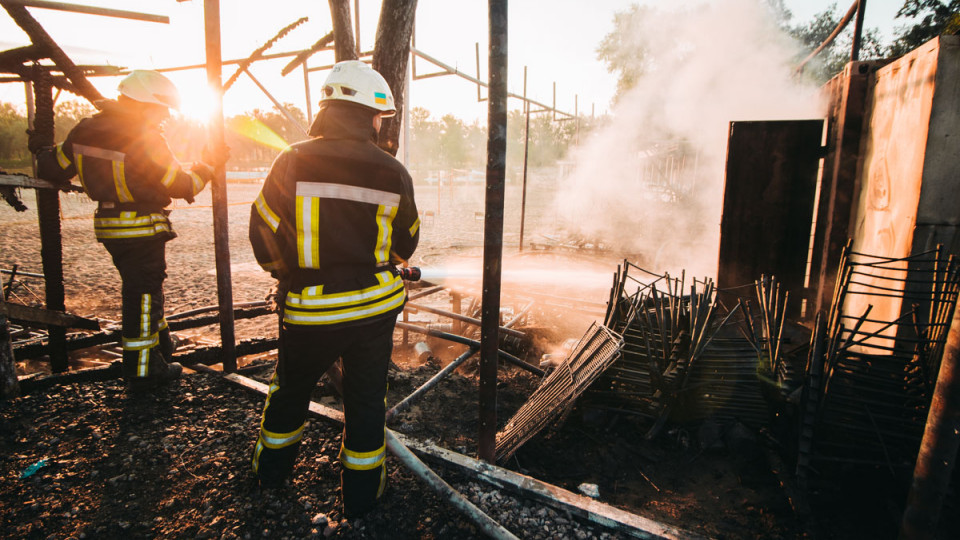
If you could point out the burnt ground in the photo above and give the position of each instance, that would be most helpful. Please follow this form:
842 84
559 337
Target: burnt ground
89 460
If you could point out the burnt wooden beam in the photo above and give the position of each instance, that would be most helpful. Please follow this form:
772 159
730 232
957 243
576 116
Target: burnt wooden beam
213 355
38 348
9 387
109 372
32 316
41 39
204 320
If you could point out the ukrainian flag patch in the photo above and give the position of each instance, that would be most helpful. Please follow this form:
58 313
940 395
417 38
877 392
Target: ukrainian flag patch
380 98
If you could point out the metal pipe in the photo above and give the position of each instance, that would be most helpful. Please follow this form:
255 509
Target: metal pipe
858 31
218 187
836 31
433 381
306 91
91 10
483 521
493 229
462 318
472 343
276 103
526 155
938 449
450 70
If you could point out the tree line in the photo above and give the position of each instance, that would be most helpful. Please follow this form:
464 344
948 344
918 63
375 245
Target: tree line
256 137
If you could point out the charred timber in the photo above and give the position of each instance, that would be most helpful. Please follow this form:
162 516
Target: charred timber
214 355
41 39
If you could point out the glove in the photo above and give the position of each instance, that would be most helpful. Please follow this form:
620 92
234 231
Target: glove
35 141
215 158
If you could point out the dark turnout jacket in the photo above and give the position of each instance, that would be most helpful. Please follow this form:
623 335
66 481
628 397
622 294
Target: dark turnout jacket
332 213
128 168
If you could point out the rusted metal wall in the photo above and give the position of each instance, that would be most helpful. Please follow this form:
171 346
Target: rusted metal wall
768 200
846 94
907 201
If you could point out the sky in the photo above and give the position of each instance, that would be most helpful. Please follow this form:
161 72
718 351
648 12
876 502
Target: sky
555 39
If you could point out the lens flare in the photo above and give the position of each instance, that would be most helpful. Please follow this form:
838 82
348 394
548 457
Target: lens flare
256 131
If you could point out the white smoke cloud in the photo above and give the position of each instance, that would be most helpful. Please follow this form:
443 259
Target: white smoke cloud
721 61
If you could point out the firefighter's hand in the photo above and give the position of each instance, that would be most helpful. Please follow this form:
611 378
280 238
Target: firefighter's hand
35 141
216 158
396 260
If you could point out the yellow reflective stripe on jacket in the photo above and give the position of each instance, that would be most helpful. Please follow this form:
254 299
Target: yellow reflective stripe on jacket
136 344
62 158
120 181
198 182
308 232
266 213
116 161
415 227
353 313
362 461
170 175
385 215
129 225
79 160
389 283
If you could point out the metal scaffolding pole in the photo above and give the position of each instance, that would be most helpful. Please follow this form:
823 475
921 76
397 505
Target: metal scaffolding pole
493 229
218 187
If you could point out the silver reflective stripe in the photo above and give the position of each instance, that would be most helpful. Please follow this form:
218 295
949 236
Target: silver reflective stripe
277 440
348 193
355 462
101 153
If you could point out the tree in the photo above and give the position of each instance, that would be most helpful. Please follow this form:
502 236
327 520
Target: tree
622 51
832 59
13 134
934 18
68 114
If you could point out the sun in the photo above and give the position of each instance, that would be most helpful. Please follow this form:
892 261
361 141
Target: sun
197 102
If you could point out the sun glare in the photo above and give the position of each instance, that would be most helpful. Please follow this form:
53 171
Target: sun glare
197 103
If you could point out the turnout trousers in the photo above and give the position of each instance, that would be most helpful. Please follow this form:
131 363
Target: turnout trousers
146 338
305 354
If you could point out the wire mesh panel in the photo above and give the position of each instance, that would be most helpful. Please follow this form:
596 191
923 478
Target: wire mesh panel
597 349
884 341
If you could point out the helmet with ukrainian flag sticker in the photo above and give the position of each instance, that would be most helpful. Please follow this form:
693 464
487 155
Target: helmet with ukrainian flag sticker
352 80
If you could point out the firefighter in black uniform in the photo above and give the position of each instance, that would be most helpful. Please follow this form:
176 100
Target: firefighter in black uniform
335 214
124 164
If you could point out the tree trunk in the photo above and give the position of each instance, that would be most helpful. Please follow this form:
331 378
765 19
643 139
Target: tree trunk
390 56
344 47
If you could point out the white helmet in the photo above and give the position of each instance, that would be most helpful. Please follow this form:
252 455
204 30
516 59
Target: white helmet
352 80
148 86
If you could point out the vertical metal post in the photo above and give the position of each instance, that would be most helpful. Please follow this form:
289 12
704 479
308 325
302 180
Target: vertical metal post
526 155
456 306
493 229
218 187
306 92
406 113
858 31
938 449
48 213
356 25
